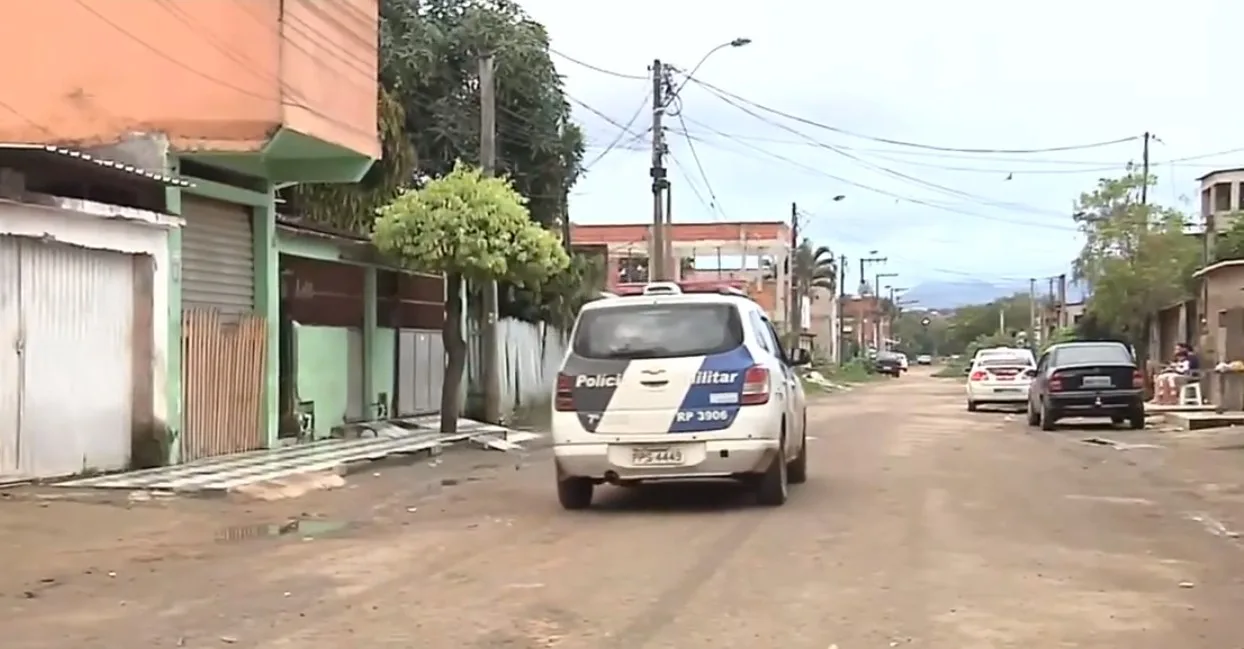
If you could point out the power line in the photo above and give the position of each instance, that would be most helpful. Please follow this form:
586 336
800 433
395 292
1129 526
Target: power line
895 196
623 130
595 68
691 184
931 147
716 205
989 202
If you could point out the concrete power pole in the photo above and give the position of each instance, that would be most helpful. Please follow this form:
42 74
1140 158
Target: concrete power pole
796 300
1144 188
656 256
488 164
1062 301
1032 313
842 302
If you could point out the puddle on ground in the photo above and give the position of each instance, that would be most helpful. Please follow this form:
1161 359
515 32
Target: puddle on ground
301 527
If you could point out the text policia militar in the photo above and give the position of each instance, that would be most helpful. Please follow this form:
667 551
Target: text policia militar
704 377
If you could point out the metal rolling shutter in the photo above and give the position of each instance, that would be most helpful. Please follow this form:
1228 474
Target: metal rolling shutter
217 257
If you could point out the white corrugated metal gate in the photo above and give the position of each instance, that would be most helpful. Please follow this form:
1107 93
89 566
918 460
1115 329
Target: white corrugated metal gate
217 257
66 321
420 371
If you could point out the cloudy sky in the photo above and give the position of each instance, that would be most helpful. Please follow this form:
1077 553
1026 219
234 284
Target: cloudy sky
959 74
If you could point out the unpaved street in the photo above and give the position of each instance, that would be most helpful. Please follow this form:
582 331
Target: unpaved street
922 525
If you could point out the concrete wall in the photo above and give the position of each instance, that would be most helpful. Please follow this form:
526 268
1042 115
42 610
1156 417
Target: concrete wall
216 75
324 370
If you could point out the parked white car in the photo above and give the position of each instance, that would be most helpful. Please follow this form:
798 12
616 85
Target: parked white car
1005 352
999 379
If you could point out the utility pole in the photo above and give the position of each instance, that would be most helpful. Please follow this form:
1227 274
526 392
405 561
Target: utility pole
673 265
842 302
656 255
1062 300
488 164
1032 313
1144 188
864 262
880 313
796 300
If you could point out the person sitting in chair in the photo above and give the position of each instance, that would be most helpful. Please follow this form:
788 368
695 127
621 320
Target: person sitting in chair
1181 371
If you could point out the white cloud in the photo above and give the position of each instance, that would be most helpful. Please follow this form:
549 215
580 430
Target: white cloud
962 73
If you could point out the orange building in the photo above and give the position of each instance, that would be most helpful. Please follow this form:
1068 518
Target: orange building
750 254
226 101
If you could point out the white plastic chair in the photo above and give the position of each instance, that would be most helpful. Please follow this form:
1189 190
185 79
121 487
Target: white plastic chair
1190 394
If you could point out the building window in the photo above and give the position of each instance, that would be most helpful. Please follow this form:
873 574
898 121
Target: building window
633 269
1222 197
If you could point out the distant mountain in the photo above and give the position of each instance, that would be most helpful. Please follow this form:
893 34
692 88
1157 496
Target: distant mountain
949 295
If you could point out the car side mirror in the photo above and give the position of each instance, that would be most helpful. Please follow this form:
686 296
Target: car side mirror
799 356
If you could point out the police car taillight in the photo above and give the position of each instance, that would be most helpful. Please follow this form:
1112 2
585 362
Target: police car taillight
564 399
755 386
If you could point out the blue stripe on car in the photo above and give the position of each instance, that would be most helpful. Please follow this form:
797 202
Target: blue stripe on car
712 403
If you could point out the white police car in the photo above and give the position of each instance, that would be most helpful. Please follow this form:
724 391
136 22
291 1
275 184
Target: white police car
670 385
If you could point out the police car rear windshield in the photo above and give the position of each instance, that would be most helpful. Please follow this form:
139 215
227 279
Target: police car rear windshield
658 331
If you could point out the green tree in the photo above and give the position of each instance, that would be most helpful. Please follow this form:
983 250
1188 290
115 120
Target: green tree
1135 260
1229 243
468 227
970 323
429 119
811 267
920 338
352 206
429 59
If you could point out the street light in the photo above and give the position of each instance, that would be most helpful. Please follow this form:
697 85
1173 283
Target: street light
738 42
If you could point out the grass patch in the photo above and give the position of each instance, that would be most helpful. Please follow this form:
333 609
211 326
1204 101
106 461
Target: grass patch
854 371
952 370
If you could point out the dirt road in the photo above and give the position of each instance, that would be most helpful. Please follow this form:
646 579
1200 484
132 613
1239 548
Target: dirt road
922 525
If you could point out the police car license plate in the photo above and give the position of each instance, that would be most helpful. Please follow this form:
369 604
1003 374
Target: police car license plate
656 456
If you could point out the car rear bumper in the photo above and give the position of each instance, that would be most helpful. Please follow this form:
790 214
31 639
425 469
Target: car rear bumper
997 393
701 459
1096 403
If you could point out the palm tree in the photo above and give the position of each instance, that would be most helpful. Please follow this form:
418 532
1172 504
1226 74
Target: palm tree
811 267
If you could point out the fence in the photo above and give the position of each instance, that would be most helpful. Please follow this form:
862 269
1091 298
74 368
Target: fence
223 378
531 355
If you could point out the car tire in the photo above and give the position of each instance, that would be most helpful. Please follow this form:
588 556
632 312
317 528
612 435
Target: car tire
797 469
1117 419
1048 418
971 406
1137 419
772 487
1033 416
575 493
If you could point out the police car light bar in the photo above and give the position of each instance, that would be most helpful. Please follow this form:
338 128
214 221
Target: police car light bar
662 288
675 288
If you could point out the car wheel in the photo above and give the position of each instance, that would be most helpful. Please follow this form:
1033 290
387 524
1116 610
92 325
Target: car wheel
772 488
1137 419
1034 417
575 493
971 406
797 470
1117 419
1048 419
